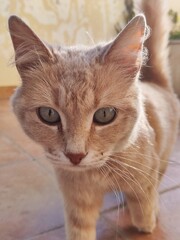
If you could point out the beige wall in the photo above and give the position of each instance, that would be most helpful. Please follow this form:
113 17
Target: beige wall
57 21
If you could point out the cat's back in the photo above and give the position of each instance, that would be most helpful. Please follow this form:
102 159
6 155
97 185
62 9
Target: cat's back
163 113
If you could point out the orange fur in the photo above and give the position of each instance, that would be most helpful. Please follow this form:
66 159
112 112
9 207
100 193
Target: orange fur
131 153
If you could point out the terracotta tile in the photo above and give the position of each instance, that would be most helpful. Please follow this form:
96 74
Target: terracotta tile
107 231
170 214
112 201
168 223
57 234
123 224
171 178
9 152
46 164
30 201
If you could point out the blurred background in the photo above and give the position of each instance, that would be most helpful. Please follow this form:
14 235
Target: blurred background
74 22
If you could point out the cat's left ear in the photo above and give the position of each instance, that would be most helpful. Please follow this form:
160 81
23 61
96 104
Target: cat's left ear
126 51
29 49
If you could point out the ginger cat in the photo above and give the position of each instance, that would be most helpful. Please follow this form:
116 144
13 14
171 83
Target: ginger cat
105 115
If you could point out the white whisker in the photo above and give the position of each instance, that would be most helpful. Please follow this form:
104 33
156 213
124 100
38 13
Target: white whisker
124 179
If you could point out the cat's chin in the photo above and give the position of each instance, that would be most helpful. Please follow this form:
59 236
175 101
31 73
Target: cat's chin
77 168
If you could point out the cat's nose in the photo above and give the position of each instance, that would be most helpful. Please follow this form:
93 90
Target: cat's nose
75 158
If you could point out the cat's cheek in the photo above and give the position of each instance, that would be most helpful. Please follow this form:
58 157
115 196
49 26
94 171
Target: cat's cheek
43 134
115 136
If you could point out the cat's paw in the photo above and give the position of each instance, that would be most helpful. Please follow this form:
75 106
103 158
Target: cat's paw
146 229
147 225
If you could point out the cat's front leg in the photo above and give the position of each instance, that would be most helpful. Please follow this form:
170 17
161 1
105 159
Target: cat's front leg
143 207
81 214
81 223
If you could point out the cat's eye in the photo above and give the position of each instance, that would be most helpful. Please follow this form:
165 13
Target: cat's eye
104 115
48 115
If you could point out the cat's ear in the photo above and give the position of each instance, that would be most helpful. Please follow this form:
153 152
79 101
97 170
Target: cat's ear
29 49
126 50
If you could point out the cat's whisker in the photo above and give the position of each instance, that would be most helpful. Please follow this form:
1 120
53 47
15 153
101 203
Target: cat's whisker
136 149
90 38
119 188
128 173
136 182
144 175
124 179
111 184
56 159
143 165
113 188
119 196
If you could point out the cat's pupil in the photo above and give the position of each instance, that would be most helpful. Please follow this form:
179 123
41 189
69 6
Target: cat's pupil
50 112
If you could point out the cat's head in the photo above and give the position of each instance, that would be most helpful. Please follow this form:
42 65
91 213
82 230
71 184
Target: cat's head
82 104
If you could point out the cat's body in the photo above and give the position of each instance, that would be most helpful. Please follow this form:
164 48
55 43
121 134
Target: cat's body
103 129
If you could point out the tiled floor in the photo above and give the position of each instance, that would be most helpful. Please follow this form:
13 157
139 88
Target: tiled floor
30 202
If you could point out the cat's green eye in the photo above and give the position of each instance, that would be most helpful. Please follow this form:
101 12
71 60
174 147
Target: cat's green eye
48 115
104 115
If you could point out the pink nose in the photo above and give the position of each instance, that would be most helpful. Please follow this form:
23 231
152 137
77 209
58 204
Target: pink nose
75 158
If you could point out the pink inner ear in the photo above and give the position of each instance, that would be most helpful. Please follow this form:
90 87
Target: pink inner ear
136 45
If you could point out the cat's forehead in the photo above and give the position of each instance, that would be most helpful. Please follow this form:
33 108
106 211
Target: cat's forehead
74 68
75 74
76 82
76 63
75 98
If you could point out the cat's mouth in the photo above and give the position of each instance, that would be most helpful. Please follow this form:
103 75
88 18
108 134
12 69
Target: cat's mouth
57 162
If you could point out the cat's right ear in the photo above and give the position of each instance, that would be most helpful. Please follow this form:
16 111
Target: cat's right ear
126 51
29 49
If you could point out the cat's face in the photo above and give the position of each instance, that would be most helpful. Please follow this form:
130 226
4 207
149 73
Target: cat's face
82 106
